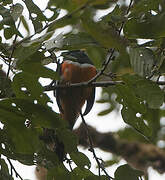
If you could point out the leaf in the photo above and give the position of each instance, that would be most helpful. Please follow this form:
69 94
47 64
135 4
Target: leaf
4 171
142 61
106 36
105 112
149 28
40 115
116 16
132 105
16 11
127 172
6 2
97 54
8 20
21 53
130 117
26 141
62 22
38 70
26 86
80 173
78 41
69 139
80 159
8 33
36 14
144 6
145 89
128 98
59 172
25 24
31 62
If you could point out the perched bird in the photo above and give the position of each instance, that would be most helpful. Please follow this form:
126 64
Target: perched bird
76 68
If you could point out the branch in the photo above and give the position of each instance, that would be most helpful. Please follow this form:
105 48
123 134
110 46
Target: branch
52 87
139 155
12 52
13 169
92 149
160 82
82 84
111 51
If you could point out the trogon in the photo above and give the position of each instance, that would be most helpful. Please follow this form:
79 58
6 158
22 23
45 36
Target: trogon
76 68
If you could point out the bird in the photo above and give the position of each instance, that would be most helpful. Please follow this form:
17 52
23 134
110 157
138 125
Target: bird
75 68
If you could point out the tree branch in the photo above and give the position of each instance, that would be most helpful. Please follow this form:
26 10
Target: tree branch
92 149
139 155
82 84
111 51
160 82
13 169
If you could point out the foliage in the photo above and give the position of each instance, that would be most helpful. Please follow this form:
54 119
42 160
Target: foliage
24 105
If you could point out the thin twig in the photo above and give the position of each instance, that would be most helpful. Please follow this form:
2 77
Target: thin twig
128 9
13 168
111 53
69 162
12 52
92 149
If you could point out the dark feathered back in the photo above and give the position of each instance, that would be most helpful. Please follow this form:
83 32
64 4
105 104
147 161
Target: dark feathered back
78 56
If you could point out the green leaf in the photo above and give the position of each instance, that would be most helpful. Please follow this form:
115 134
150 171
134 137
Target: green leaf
62 22
106 36
145 89
21 53
39 115
105 112
78 41
97 54
59 172
142 61
128 98
65 4
16 11
144 6
115 17
6 2
26 86
80 173
149 28
7 18
80 159
132 105
8 33
31 62
69 139
36 14
4 171
128 173
26 141
38 70
25 24
130 117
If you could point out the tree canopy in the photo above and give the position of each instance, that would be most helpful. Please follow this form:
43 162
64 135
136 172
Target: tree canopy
127 47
